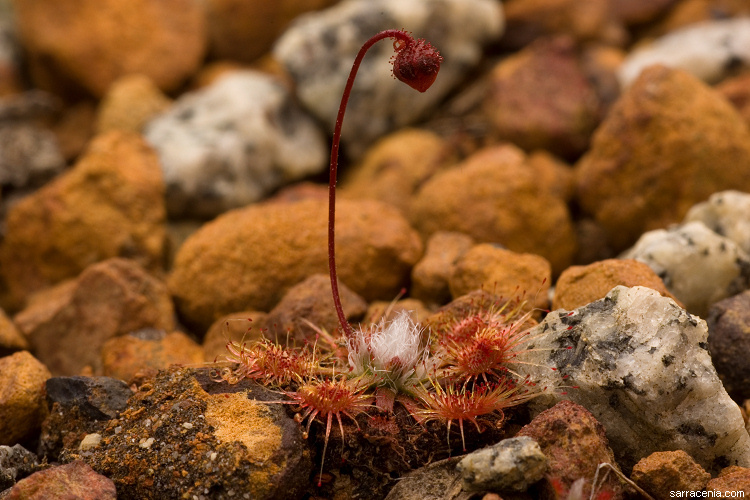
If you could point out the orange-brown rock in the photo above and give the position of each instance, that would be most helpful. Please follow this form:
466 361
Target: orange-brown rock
22 403
665 471
129 103
11 74
76 479
381 310
243 30
640 11
111 204
584 20
601 63
75 128
728 341
430 276
395 167
88 44
581 285
496 196
308 306
737 91
144 352
503 273
540 98
11 340
552 174
654 157
248 258
731 479
477 304
68 324
246 326
227 439
575 443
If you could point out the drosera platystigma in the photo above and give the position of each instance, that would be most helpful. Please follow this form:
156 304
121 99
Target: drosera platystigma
436 376
417 64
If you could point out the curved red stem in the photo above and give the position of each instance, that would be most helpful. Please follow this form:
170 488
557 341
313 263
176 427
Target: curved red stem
401 35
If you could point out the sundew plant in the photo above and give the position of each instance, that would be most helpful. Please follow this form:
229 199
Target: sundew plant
453 372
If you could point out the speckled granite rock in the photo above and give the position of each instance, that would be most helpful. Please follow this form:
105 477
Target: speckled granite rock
697 265
318 50
30 156
75 480
248 258
663 472
642 368
232 143
503 273
725 213
474 198
89 44
67 325
94 211
188 435
653 158
580 285
16 463
512 464
729 342
707 50
574 443
21 396
29 105
541 98
692 12
437 481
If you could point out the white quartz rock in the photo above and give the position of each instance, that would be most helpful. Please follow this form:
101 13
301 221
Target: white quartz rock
232 143
512 464
639 363
697 265
726 213
319 48
707 50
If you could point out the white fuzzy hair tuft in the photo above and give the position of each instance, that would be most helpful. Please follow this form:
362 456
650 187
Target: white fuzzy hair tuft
391 353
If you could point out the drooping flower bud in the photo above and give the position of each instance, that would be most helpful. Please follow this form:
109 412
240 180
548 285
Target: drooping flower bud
416 64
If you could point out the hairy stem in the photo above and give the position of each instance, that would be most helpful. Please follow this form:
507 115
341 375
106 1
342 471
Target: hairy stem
398 34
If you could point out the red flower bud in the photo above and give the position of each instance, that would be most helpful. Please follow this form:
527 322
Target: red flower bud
416 64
